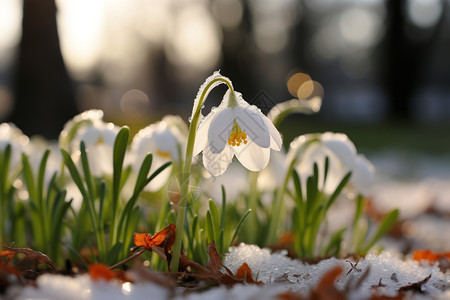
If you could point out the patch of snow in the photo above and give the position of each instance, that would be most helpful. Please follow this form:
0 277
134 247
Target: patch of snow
301 277
82 287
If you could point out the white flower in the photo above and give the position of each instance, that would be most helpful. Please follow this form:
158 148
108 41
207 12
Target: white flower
342 155
165 140
98 138
236 128
10 134
76 125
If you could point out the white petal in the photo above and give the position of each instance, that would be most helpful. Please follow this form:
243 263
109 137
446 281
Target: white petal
252 156
201 138
217 163
340 145
253 125
275 137
220 130
159 181
363 174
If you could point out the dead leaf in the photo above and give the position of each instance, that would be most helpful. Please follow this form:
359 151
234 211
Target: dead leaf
245 273
326 288
416 286
101 271
215 263
164 239
30 254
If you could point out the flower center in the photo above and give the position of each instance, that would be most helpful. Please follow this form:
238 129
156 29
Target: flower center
163 154
100 141
237 136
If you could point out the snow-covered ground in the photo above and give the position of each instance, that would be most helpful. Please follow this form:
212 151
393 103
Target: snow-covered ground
418 185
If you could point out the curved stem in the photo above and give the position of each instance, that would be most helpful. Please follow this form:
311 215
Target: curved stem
184 184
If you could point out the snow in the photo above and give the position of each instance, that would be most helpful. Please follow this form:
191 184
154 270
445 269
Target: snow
386 273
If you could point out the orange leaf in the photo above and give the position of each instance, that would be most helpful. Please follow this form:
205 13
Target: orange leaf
101 271
8 253
164 238
429 255
245 273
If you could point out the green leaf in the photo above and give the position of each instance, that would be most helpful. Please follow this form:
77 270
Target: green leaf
113 253
224 205
334 245
338 190
298 189
385 225
120 148
215 218
209 226
74 172
87 171
143 172
238 227
29 179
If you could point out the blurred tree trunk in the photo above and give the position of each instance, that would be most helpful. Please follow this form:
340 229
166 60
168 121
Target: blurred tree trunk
44 97
406 58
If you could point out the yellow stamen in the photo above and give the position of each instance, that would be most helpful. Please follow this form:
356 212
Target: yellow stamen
100 141
163 154
237 136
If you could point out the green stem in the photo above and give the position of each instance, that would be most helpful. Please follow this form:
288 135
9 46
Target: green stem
277 207
184 189
252 204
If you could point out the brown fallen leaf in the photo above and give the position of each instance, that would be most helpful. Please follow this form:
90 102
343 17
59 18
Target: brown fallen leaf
326 288
245 273
30 254
416 286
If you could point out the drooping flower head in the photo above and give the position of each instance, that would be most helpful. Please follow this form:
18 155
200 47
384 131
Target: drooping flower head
343 157
165 140
236 128
98 137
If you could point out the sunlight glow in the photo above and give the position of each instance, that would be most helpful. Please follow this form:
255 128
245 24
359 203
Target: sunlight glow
193 39
80 24
10 24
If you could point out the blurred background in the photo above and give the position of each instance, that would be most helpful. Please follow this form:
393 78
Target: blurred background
384 65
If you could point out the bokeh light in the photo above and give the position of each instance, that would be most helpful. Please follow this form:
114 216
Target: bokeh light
424 13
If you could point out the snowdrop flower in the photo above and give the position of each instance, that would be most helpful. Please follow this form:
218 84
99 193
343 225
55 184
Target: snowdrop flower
236 128
11 135
343 157
77 124
99 140
35 150
165 140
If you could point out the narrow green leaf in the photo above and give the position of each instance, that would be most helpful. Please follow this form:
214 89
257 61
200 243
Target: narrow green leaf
143 172
298 189
224 205
113 253
29 179
209 226
385 225
334 244
87 171
215 218
338 190
74 172
238 227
